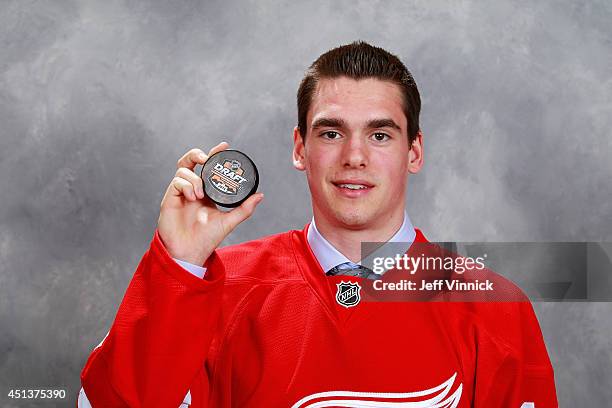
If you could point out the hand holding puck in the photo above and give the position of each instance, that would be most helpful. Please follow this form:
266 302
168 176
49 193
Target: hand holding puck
191 225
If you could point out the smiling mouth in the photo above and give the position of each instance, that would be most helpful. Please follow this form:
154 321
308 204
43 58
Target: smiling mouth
353 188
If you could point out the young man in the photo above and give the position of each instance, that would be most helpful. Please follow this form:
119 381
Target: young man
260 323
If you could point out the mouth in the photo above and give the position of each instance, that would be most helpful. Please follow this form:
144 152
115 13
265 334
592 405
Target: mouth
353 188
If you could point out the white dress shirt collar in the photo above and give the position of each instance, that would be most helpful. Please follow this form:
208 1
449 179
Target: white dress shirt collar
328 256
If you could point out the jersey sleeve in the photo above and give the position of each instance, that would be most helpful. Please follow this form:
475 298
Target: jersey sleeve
159 341
513 369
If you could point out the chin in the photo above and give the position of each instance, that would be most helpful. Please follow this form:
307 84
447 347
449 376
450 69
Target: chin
352 219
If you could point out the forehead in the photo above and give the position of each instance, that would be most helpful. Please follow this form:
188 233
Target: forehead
357 101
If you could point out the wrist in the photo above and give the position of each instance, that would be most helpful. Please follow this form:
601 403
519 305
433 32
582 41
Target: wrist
192 258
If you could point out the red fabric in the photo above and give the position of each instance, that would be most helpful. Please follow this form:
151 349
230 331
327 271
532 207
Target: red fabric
263 329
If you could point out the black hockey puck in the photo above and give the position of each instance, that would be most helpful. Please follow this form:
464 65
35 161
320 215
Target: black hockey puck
229 177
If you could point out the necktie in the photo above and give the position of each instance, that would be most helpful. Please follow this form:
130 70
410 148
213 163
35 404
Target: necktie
351 269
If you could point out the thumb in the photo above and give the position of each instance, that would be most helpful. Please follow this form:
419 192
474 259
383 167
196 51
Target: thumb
244 211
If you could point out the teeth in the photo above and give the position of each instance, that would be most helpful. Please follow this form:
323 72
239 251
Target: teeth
353 186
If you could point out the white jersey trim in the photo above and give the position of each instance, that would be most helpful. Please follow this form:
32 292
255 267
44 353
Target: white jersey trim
436 397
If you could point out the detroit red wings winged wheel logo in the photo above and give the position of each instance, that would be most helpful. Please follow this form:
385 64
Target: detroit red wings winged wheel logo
445 395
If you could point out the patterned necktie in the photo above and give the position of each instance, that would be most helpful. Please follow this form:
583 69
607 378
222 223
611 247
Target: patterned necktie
351 269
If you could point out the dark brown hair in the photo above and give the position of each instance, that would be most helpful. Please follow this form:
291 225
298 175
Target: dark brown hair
360 60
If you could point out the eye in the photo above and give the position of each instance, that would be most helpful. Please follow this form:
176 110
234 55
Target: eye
331 135
381 137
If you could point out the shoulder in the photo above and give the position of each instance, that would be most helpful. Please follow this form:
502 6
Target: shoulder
268 257
482 296
505 318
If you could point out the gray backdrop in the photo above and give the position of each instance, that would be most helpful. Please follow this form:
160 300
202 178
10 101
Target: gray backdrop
99 99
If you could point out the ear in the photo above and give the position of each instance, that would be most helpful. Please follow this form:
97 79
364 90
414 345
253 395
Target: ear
415 155
299 161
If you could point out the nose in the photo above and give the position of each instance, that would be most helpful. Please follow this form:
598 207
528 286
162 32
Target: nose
355 153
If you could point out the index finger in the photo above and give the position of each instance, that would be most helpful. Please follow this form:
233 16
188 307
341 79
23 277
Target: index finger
197 156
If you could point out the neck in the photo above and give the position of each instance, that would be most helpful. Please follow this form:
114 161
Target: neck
348 239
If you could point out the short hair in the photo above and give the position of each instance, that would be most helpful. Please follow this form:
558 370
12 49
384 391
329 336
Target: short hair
360 60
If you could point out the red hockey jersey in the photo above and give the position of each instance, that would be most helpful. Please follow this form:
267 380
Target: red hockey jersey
264 329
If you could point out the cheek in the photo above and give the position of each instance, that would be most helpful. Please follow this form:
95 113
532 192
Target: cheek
318 163
394 171
315 175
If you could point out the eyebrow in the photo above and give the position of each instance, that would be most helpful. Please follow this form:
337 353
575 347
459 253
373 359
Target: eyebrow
329 122
340 123
381 123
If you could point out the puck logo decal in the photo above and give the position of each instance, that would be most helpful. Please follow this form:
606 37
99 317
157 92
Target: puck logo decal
348 294
227 177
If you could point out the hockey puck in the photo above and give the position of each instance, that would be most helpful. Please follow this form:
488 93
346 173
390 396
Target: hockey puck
229 177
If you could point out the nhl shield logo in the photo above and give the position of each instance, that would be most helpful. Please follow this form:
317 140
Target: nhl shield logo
348 294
